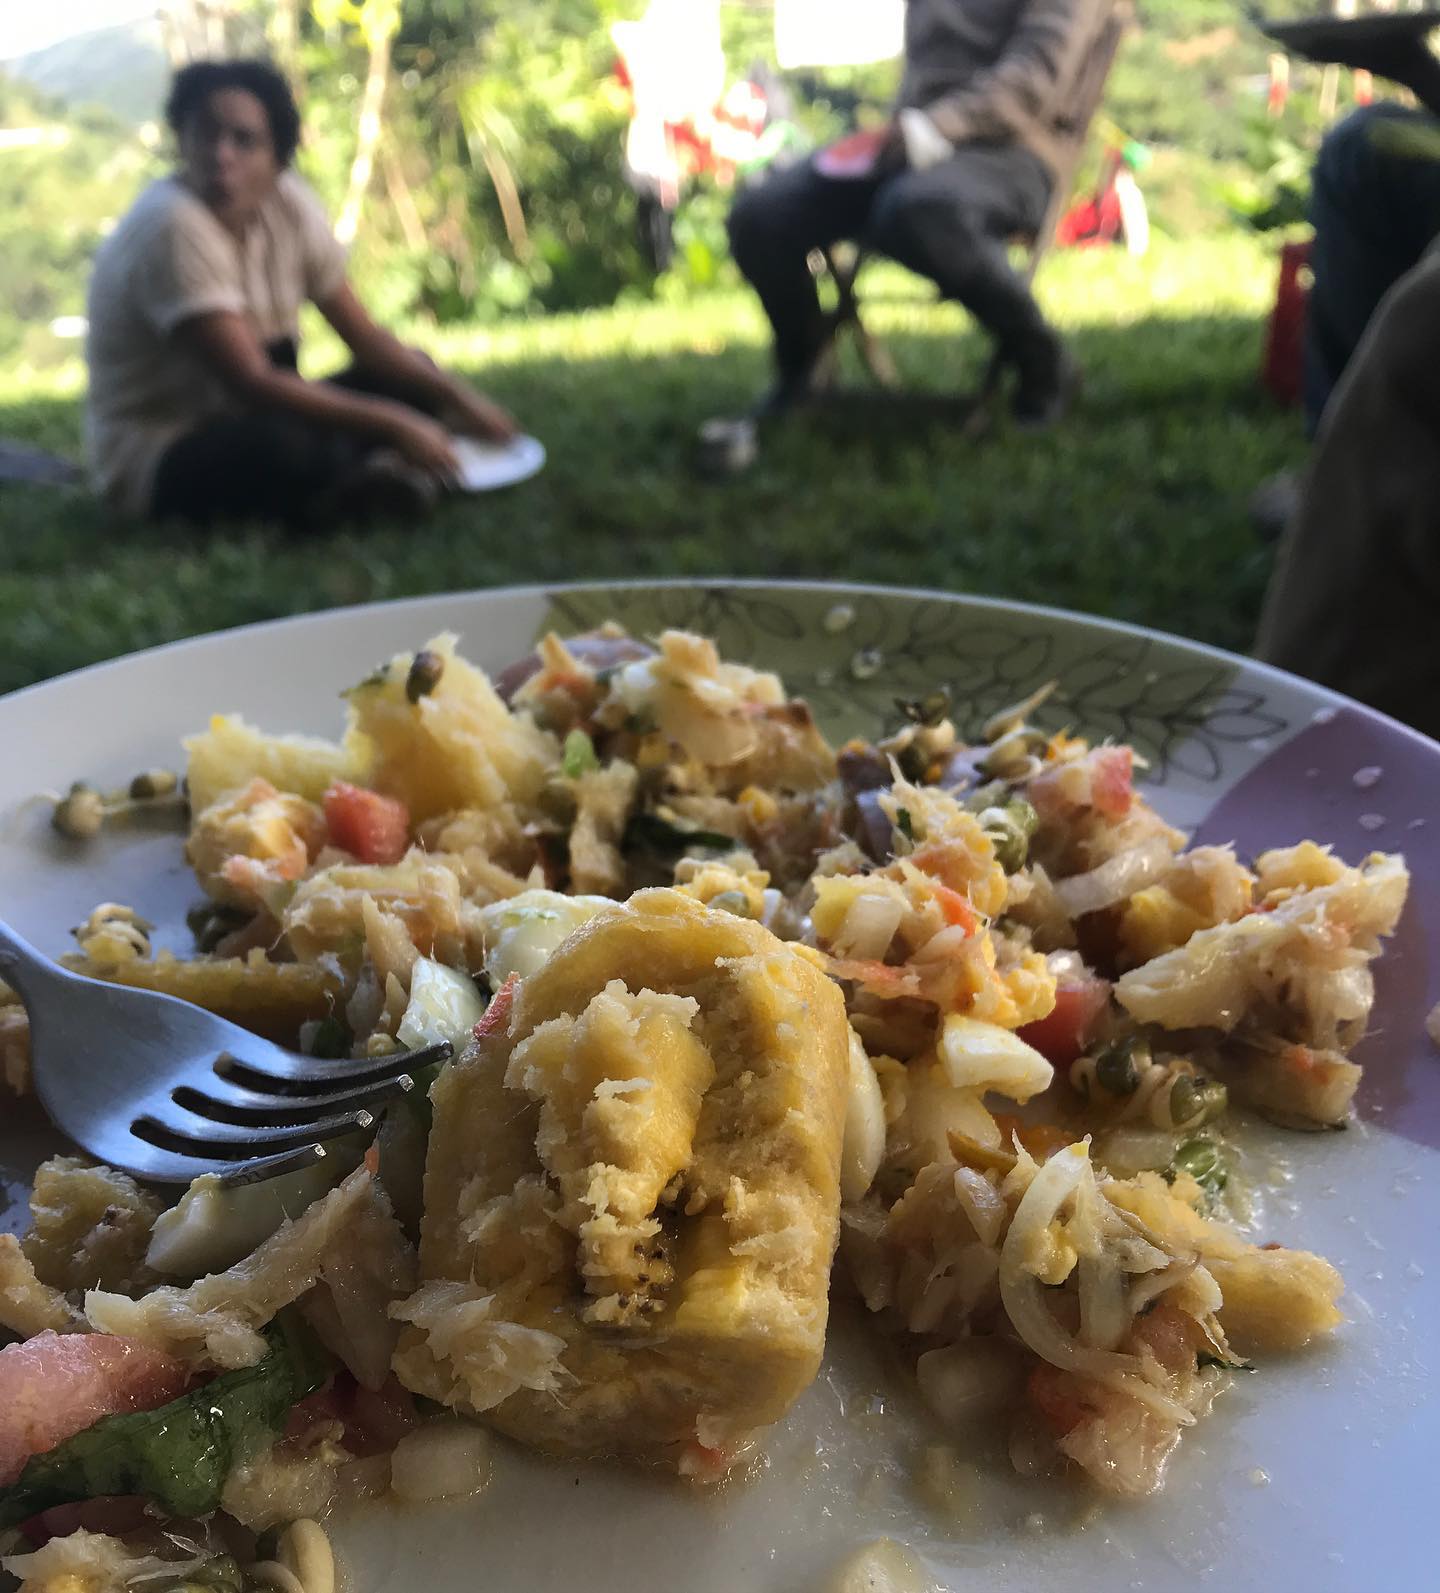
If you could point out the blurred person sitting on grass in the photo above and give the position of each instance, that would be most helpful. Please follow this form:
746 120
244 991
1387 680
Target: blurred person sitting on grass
969 160
195 408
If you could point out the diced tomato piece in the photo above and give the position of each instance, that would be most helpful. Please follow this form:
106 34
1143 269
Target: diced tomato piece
1112 781
326 1405
1103 779
1169 1334
1065 1031
497 1014
58 1384
1060 1398
379 1417
371 827
375 1420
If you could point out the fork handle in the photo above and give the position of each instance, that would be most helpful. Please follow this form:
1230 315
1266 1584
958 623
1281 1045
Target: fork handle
23 968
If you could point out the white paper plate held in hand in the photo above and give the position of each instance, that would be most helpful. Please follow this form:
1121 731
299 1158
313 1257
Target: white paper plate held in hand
488 466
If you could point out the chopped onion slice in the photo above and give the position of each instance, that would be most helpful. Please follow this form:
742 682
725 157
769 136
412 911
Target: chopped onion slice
444 1005
445 1459
869 926
983 1056
1023 1295
864 1143
1115 880
1104 1317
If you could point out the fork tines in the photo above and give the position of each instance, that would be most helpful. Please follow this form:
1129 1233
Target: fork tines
272 1117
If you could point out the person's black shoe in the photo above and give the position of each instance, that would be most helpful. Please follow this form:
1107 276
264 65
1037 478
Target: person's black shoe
789 393
1048 382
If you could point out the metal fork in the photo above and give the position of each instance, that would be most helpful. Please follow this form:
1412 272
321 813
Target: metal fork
167 1091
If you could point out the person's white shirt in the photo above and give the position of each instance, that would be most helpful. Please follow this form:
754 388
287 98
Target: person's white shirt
168 261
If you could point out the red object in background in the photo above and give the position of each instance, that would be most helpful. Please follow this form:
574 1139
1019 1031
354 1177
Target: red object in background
1283 363
1278 91
1096 219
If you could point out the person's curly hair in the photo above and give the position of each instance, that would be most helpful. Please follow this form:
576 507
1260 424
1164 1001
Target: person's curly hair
194 84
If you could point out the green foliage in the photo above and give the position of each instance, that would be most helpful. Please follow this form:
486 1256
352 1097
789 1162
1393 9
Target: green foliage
58 194
499 187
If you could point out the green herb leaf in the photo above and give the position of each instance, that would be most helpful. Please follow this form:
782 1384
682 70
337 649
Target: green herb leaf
649 832
1205 1358
578 756
904 823
329 1039
180 1454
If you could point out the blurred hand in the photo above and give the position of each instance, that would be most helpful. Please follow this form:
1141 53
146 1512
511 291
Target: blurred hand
474 415
426 443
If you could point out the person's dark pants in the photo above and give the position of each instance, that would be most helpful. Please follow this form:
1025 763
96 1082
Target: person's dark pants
1375 212
268 464
949 223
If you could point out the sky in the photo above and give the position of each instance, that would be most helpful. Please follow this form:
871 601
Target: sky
24 28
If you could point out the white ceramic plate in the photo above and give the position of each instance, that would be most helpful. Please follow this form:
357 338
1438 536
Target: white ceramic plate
1317 1473
486 467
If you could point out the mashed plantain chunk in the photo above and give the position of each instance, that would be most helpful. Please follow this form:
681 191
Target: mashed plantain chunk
632 1191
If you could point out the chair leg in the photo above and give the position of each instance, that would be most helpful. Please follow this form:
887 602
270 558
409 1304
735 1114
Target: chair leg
826 364
876 356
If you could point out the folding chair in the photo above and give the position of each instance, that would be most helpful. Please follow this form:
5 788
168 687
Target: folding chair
844 268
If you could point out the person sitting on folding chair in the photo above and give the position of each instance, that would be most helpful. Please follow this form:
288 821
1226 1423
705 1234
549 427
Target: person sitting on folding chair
982 128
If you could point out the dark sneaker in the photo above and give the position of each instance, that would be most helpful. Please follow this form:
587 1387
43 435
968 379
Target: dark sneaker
1048 382
788 393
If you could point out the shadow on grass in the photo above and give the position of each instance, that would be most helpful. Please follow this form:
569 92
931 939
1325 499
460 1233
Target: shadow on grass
1134 507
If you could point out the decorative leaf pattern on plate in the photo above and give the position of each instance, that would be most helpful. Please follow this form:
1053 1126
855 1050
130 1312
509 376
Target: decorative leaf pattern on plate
852 653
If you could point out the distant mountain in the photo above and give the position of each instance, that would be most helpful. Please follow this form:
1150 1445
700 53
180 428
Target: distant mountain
123 69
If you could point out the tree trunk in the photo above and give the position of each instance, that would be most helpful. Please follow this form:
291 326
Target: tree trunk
367 139
511 210
402 200
284 32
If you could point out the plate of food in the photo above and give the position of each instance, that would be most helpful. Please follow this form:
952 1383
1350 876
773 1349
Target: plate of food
942 1093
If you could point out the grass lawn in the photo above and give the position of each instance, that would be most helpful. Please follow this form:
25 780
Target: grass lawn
1135 507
